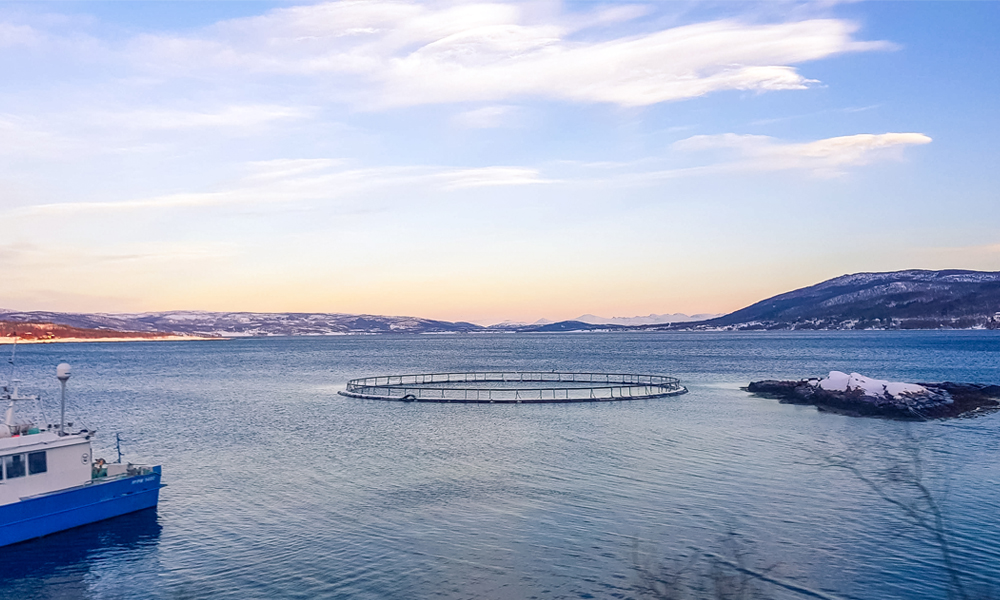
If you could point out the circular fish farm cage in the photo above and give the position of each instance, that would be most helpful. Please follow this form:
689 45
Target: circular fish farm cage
514 387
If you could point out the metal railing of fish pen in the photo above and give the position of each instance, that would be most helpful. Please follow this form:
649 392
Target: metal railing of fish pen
590 387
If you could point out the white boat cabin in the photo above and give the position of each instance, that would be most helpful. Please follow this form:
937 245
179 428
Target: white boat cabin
37 461
43 462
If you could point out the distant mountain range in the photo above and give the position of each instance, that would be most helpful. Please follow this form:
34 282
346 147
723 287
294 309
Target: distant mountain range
241 324
647 320
913 299
589 319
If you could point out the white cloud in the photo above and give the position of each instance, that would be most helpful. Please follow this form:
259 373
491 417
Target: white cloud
405 53
236 116
487 117
323 181
489 177
26 256
17 35
826 157
72 132
282 168
614 14
27 137
291 181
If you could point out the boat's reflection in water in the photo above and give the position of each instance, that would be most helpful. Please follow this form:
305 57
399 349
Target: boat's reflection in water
66 564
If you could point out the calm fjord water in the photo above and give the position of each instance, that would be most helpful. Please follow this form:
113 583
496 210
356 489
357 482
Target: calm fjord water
279 488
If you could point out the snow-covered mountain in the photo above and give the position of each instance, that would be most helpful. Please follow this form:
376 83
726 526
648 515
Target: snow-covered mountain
647 320
518 325
248 324
913 299
242 324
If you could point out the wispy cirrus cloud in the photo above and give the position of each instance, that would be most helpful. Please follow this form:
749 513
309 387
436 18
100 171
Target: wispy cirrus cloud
406 53
67 134
47 257
490 177
12 34
486 117
825 157
232 116
29 137
306 181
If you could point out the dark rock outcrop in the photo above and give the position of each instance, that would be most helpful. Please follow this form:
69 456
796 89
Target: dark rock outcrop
942 400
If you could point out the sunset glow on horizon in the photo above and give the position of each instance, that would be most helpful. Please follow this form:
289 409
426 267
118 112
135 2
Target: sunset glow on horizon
488 161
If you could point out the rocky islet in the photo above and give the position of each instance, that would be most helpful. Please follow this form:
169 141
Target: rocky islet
857 395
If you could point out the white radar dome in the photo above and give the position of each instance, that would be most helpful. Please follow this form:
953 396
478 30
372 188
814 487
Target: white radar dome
62 372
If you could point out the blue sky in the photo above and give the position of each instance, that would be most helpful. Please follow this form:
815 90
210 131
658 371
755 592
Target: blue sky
477 161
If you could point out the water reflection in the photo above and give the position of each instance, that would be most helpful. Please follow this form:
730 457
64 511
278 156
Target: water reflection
63 564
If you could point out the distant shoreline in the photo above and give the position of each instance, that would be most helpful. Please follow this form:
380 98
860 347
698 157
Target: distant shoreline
193 338
67 340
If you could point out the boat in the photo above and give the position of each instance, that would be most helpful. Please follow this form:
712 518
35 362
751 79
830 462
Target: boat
50 481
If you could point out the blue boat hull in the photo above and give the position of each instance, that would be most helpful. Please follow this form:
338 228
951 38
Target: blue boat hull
70 508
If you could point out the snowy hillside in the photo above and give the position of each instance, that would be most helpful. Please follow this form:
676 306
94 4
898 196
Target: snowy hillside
913 299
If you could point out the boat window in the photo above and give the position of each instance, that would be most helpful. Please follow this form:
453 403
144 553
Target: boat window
37 463
14 465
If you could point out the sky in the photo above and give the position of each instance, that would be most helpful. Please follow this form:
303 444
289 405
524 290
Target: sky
488 161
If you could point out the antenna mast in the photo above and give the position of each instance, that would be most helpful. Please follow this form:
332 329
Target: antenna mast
13 350
62 374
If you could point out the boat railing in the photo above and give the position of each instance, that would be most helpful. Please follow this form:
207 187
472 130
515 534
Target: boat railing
139 470
102 471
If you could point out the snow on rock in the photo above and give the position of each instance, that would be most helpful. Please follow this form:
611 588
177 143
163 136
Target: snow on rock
838 381
858 395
